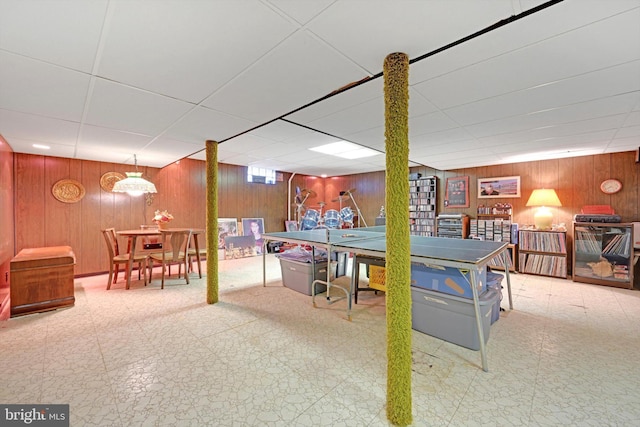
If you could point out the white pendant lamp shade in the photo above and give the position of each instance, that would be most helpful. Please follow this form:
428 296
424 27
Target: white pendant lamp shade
134 184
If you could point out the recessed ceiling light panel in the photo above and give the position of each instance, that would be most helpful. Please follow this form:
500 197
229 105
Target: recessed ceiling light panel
346 150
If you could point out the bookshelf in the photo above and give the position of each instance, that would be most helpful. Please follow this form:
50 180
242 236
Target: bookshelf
422 206
603 254
543 253
494 223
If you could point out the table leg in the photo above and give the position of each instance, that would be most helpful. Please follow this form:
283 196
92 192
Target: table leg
132 252
476 306
197 245
356 276
505 256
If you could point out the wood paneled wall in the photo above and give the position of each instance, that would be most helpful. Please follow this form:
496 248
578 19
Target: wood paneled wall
6 225
41 220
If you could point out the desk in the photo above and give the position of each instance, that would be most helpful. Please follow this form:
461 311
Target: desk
472 255
132 236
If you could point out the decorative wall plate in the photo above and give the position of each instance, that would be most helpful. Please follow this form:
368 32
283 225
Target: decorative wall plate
68 191
109 179
610 186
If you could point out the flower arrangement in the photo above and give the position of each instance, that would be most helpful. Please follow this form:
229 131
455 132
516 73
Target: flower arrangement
162 218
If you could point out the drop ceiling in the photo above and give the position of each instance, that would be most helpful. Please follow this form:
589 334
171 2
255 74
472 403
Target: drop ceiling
491 82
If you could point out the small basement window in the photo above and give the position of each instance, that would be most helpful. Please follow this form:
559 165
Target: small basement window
261 175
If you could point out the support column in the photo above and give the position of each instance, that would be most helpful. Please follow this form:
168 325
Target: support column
398 256
212 222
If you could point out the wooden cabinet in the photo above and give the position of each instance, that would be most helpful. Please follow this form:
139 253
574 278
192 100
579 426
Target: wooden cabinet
603 254
422 206
42 280
543 253
453 225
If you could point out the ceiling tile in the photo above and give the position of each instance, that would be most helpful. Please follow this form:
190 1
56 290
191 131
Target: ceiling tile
187 49
38 88
61 32
117 106
300 69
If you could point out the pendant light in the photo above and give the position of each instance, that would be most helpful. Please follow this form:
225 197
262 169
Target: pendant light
134 184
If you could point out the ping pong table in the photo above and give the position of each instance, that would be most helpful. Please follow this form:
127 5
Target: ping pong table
471 255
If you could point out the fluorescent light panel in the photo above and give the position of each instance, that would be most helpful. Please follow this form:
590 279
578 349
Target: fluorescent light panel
346 150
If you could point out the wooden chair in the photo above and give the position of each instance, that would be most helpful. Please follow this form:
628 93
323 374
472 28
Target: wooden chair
176 244
116 258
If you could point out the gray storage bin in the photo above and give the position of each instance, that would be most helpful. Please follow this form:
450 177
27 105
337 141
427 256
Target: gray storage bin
299 276
451 318
341 258
494 281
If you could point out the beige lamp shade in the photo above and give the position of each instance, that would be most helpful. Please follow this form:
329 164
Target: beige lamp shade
543 198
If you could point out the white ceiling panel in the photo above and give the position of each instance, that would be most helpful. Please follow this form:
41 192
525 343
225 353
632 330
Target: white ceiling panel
24 26
107 80
508 72
380 25
529 31
38 128
603 107
26 146
608 82
99 138
122 107
301 11
34 87
189 48
282 131
201 124
306 68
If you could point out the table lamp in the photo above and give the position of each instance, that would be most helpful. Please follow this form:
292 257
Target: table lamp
543 198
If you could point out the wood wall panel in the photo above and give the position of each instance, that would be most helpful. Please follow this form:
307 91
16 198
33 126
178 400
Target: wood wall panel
7 228
41 219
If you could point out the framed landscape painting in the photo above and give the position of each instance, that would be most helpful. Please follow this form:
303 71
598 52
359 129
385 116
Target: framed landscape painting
506 186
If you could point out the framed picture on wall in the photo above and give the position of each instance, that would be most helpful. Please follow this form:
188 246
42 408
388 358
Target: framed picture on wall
291 226
226 227
457 192
506 186
254 227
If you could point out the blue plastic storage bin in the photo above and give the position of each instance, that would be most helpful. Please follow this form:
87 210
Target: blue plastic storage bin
449 280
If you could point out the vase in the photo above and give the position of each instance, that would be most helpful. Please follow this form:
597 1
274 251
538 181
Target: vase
163 225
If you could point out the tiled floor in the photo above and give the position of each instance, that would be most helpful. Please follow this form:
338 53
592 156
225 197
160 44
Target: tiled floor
263 356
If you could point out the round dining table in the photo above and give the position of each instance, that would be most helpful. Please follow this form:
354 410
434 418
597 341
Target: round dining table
132 236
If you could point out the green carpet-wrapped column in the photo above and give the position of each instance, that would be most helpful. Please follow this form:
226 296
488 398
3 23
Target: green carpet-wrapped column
212 222
398 264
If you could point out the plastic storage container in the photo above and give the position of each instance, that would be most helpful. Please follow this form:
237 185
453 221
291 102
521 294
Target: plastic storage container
451 318
448 280
494 281
341 258
299 276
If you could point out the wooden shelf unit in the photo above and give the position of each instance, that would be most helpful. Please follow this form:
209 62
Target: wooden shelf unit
497 263
422 206
603 254
454 226
543 253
